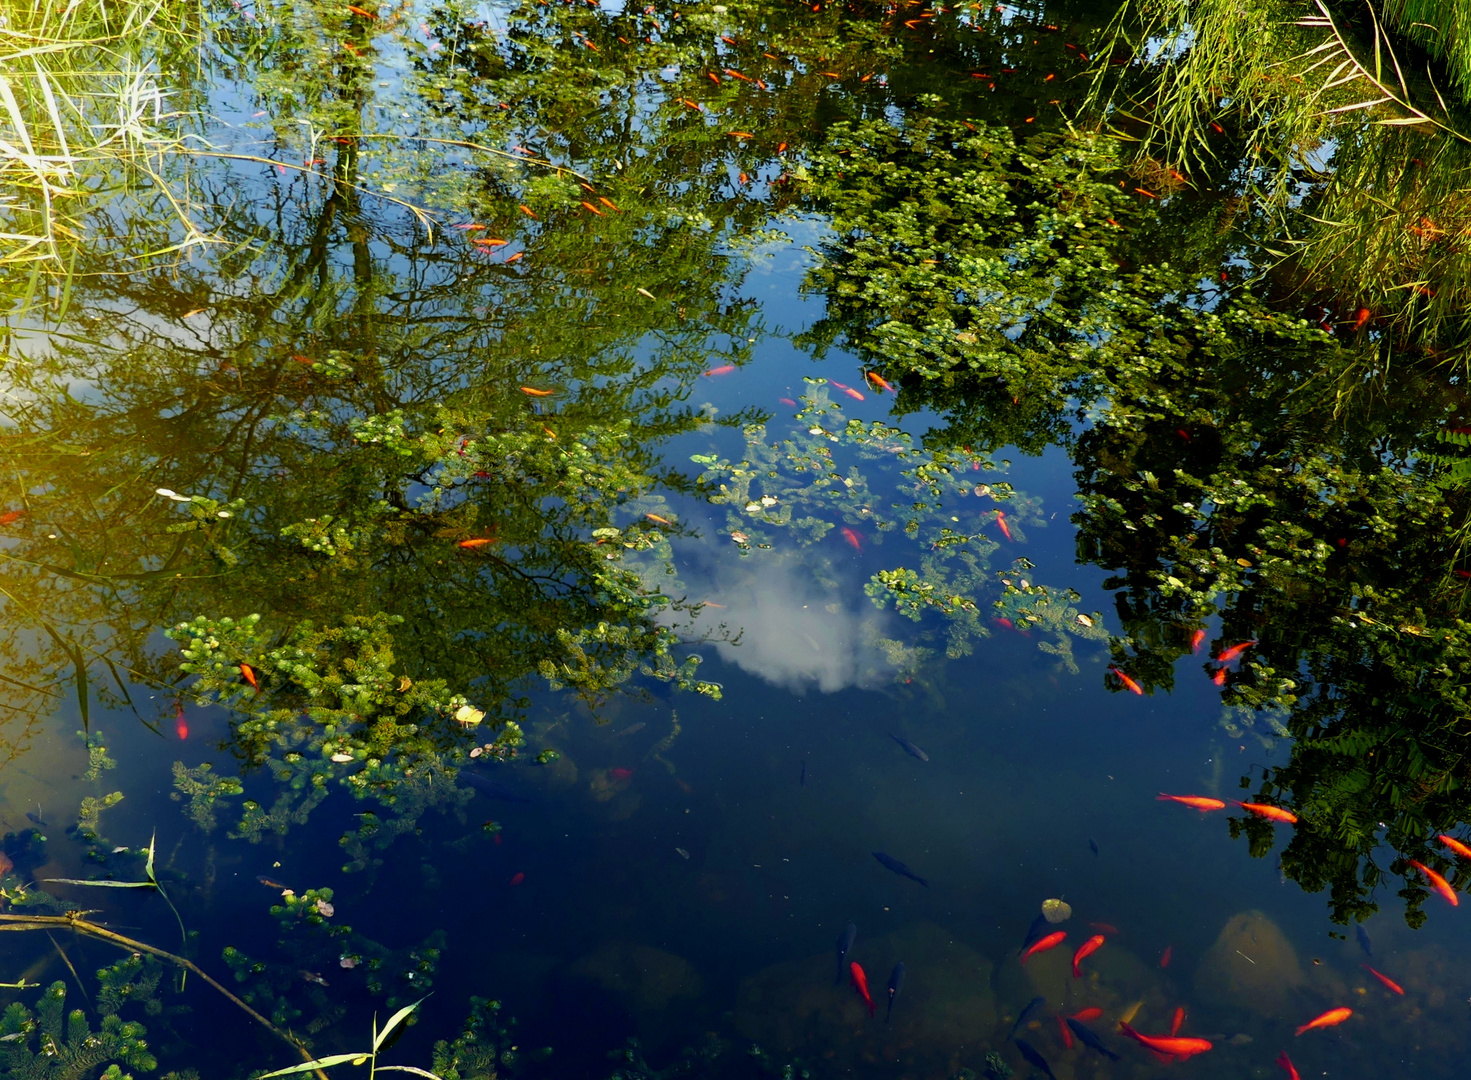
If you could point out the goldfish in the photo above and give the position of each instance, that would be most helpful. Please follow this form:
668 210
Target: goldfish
879 383
475 542
1234 651
533 392
10 517
360 11
248 674
1085 950
1051 941
1170 1046
1362 317
854 394
723 369
609 204
1438 883
852 537
181 726
589 206
1164 957
1178 1021
516 257
740 134
860 983
527 211
1195 640
518 877
658 520
1285 1063
786 401
1455 845
1386 980
1331 1018
1001 524
1195 802
1133 686
620 773
270 883
1067 1034
1092 1012
1273 813
1219 676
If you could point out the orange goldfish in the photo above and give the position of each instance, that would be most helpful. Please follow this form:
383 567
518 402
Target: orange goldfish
1001 524
1051 941
1362 317
527 211
1331 1018
248 674
852 537
1067 1032
10 517
609 204
723 369
1386 980
181 729
1085 950
1170 1046
1092 1012
1449 841
1285 1063
360 11
1178 1021
1195 640
1195 802
475 542
1164 957
589 206
531 390
879 383
854 394
1133 686
1234 651
1438 883
1273 813
1219 676
658 520
860 983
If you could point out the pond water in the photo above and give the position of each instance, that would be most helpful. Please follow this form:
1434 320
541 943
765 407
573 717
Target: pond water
641 599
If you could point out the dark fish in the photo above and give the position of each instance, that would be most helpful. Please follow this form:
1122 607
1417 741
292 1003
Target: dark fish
270 883
1087 1037
37 819
891 863
1364 942
493 789
1035 932
910 748
896 980
803 779
1093 845
1034 1059
1032 1006
845 942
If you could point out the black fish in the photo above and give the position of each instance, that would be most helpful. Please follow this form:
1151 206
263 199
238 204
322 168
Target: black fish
1093 845
1035 932
37 819
1087 1037
803 779
845 942
1032 1006
891 863
1034 1059
491 788
896 980
910 748
1364 942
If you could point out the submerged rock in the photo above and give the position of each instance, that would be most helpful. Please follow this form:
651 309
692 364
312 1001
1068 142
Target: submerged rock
942 1016
1251 966
644 979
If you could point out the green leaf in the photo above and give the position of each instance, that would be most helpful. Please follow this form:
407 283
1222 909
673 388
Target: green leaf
103 884
393 1022
319 1063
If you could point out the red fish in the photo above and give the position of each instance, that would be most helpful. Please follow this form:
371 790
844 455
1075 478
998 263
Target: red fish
620 773
181 728
474 542
1284 1062
1171 1047
879 382
1438 883
1196 639
1386 980
1164 957
1001 524
1219 676
10 517
1067 1033
1455 845
1362 317
518 877
248 674
787 401
1092 1012
1051 941
1195 802
854 394
1178 1021
852 538
1273 813
1331 1018
860 983
1234 651
1085 950
1003 622
723 369
1133 686
1105 928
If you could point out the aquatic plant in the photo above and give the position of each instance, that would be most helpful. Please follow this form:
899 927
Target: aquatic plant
367 1057
51 1044
203 790
485 1047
